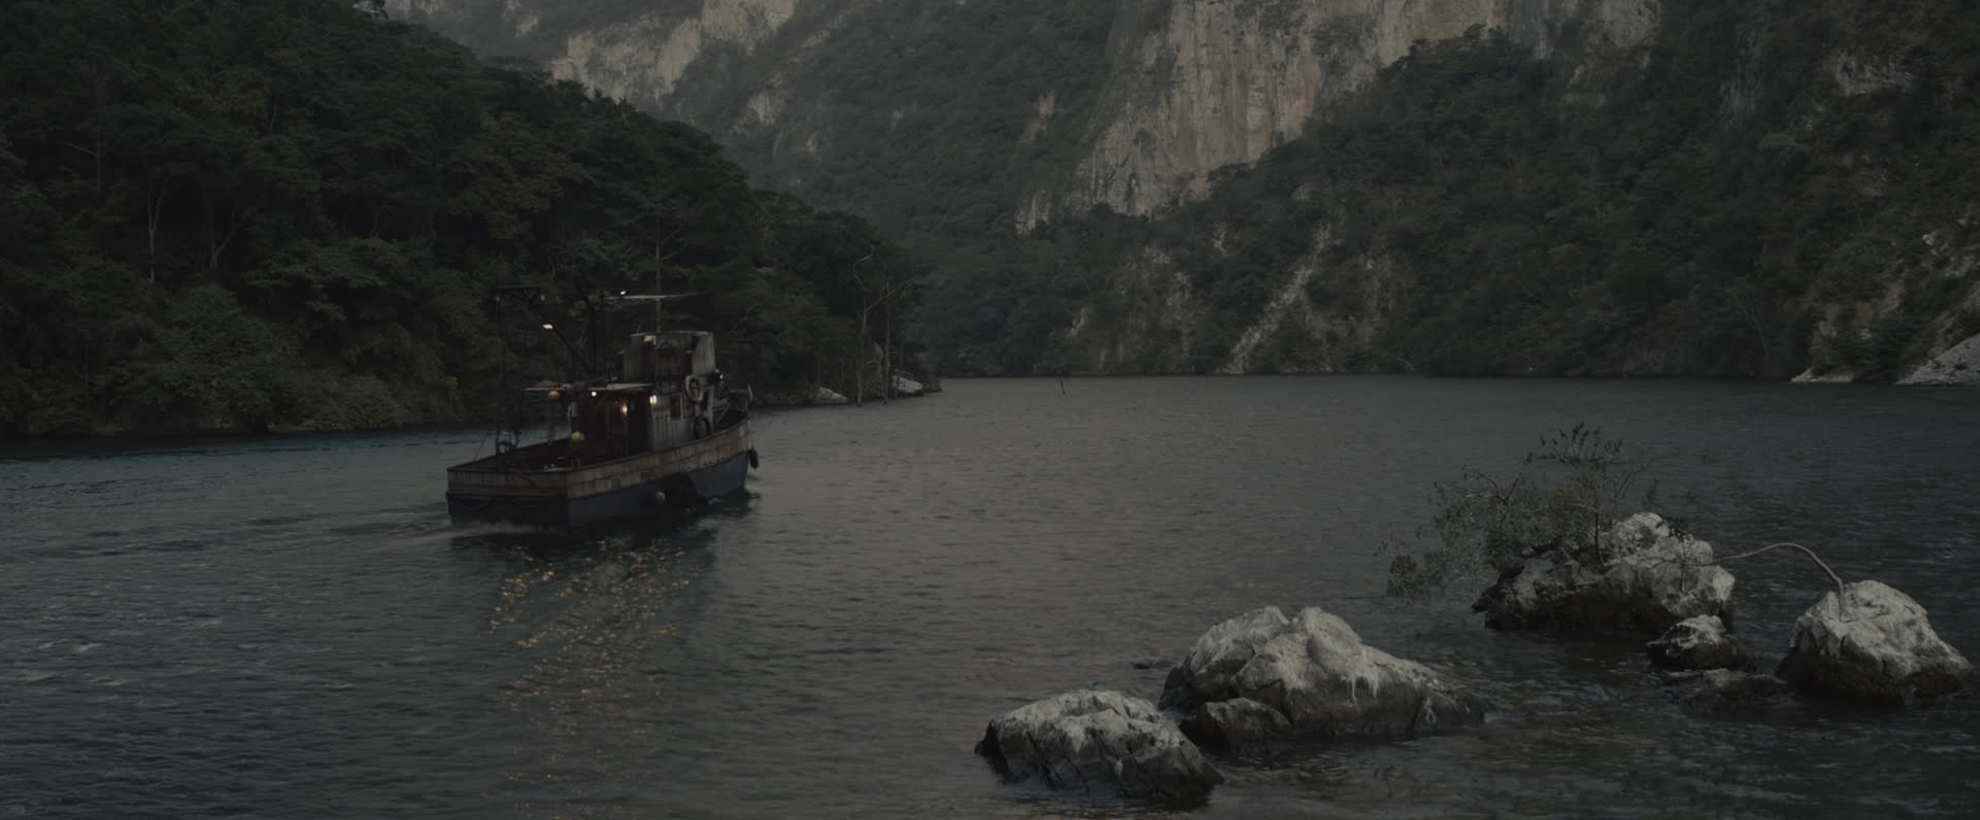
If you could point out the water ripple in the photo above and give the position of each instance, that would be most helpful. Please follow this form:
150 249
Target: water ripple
289 628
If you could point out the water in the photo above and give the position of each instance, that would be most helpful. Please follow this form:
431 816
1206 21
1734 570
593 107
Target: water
289 628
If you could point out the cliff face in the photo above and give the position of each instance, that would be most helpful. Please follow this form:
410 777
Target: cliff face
1197 85
1187 86
1670 187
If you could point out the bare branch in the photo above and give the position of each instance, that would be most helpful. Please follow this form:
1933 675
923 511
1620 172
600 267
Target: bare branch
1805 551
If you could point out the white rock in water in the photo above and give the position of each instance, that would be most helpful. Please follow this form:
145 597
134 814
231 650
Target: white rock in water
1958 365
1698 642
1833 377
1099 741
825 395
1874 643
904 386
1261 676
1654 579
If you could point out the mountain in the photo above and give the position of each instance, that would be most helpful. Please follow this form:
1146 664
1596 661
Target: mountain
1642 187
237 214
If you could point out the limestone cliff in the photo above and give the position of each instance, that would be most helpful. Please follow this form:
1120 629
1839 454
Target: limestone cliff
1197 85
1757 213
1187 86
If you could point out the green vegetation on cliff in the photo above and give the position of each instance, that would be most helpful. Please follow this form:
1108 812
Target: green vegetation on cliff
234 214
1748 192
1698 207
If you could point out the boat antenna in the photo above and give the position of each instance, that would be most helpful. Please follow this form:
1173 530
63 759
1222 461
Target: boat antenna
658 268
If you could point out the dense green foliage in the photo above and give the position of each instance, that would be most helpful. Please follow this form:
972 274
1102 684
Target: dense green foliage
1744 194
932 127
1560 498
925 116
241 214
1693 208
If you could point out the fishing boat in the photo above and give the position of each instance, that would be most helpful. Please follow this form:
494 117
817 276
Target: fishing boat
663 432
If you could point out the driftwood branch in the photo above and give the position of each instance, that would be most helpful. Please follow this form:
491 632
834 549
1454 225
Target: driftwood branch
1804 550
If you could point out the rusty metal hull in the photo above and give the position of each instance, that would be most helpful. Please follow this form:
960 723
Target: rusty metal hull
636 485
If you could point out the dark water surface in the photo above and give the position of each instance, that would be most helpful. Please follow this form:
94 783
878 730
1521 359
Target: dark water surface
290 628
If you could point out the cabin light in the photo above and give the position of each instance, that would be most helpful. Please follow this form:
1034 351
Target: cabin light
653 400
594 394
548 326
622 409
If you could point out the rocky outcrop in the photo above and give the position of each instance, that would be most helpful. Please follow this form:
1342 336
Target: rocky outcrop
904 386
1872 643
1699 642
1105 743
1648 577
1263 677
1958 366
638 53
1196 85
1724 690
826 395
1189 85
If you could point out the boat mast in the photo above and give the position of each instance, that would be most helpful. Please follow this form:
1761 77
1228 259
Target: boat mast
658 302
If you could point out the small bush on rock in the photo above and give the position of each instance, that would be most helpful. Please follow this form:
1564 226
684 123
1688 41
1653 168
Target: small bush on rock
1561 498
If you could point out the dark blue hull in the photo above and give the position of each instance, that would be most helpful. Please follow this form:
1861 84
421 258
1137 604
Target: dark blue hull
674 492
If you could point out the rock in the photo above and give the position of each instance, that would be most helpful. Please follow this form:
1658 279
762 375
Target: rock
1809 376
825 395
1102 742
1699 642
1958 365
1724 690
904 386
1261 677
1238 723
1652 578
1873 643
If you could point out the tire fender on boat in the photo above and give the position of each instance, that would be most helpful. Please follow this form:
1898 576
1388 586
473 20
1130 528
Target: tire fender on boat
752 458
702 426
692 388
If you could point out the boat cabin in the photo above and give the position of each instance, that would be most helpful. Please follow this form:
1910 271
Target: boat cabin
668 393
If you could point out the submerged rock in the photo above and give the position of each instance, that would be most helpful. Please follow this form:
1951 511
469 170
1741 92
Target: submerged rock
1699 642
1101 742
1262 677
1724 690
1651 579
1872 643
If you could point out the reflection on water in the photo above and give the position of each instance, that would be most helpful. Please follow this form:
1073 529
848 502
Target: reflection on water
289 627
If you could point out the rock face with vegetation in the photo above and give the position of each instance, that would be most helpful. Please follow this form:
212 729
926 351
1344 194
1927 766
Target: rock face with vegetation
1612 187
1262 677
1959 365
1872 643
248 215
1642 578
1698 642
1104 743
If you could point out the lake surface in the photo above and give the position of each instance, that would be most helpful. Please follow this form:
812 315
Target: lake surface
289 627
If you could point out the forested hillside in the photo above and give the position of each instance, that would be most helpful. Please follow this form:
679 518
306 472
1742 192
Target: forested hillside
238 214
1602 187
1765 188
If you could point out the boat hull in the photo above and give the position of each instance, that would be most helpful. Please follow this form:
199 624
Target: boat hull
630 487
